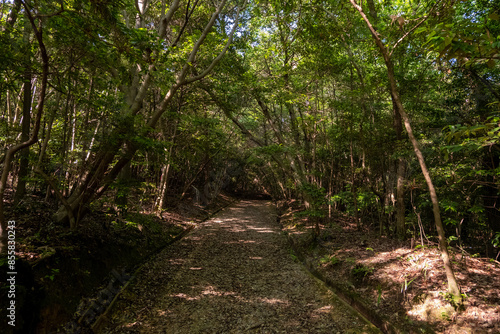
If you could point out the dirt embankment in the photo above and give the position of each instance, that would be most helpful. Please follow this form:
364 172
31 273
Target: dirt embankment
63 274
403 286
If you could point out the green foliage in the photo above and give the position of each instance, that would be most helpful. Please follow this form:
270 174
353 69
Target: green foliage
300 100
138 222
360 271
496 240
315 193
406 285
53 274
366 199
471 33
273 149
470 138
456 301
329 259
316 197
452 238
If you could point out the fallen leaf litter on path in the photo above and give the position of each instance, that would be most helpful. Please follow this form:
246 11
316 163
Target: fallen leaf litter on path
232 274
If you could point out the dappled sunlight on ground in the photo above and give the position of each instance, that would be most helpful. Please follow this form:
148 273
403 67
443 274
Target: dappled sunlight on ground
322 310
208 291
177 261
261 229
273 301
407 286
241 242
433 307
212 292
237 276
184 296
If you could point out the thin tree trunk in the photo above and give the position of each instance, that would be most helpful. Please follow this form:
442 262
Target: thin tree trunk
9 156
400 174
64 146
9 108
19 100
400 200
443 245
353 187
46 139
165 175
160 201
25 128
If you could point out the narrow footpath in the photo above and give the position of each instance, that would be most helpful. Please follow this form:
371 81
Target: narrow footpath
232 274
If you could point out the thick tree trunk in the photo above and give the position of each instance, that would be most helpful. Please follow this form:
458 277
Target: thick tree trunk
96 180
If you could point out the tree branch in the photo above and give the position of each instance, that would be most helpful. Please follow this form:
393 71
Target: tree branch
415 27
52 14
188 15
221 54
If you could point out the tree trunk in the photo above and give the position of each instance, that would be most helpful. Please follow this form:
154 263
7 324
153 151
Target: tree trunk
48 132
103 172
400 173
400 200
12 18
124 182
9 156
25 127
164 180
443 245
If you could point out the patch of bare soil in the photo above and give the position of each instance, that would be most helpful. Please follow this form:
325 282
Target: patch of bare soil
404 285
233 274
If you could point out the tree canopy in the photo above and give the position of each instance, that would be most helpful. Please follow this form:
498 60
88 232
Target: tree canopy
385 110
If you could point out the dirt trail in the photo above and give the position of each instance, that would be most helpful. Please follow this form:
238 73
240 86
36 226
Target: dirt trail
232 274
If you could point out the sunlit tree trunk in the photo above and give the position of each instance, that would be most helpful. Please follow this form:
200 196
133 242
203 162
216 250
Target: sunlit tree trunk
443 244
165 175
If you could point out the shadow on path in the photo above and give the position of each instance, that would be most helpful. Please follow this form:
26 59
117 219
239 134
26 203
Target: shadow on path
234 274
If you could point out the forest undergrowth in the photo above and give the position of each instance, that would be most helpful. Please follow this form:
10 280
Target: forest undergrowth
404 285
60 271
113 110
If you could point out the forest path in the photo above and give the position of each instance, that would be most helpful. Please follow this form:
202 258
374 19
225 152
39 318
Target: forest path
232 274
